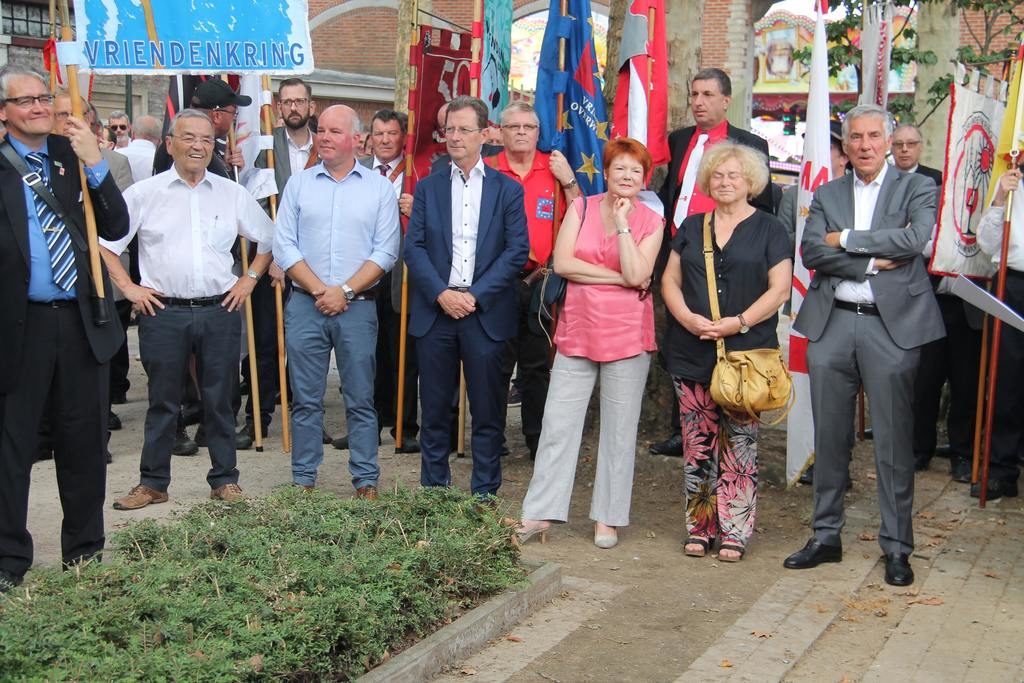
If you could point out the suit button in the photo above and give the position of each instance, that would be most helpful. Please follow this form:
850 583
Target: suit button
20 323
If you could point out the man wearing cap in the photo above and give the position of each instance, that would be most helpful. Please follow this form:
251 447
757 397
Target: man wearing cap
710 96
187 220
336 236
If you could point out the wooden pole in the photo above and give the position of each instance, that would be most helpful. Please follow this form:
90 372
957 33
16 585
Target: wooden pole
147 10
267 126
979 411
407 187
100 313
250 340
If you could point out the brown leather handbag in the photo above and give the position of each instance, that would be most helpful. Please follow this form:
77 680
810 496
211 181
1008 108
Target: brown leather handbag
751 381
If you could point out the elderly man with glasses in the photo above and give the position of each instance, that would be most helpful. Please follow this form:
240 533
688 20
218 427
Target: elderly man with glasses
120 128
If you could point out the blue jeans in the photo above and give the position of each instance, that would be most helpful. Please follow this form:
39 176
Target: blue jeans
309 338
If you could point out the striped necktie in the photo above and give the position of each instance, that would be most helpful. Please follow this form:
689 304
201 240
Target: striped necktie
58 241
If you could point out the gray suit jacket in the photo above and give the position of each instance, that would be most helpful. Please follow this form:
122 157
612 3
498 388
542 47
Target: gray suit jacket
393 279
900 227
121 172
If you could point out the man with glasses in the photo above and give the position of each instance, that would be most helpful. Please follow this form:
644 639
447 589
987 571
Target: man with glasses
906 153
465 244
548 186
188 299
120 129
53 354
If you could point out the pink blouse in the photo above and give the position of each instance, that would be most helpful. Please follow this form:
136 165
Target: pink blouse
606 322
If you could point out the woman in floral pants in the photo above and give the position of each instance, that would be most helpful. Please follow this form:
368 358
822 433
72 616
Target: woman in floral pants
752 272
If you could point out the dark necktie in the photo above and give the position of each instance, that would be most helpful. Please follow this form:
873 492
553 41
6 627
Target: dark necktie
58 241
384 168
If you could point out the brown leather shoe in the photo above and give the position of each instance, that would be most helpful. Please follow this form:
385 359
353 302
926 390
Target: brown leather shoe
306 488
140 497
367 492
229 493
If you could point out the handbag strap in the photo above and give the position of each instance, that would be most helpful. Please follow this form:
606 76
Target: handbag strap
709 270
38 185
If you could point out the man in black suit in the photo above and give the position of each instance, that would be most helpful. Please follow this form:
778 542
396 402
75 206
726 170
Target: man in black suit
53 355
906 152
710 96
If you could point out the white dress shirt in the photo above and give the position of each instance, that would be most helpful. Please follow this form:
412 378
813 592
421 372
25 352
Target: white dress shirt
140 157
689 180
990 231
397 162
186 233
466 194
865 196
298 155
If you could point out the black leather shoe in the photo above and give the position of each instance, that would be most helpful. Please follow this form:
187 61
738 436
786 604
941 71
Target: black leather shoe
184 445
944 451
897 570
408 446
113 421
921 462
997 488
673 446
8 582
813 554
341 443
807 478
960 470
243 441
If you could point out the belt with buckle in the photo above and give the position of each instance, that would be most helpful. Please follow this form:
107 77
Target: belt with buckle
198 302
365 295
859 309
56 303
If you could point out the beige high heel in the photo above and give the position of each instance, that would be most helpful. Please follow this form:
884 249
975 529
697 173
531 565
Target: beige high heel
540 530
606 540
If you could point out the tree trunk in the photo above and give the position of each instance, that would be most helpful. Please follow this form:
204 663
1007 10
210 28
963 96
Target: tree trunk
938 30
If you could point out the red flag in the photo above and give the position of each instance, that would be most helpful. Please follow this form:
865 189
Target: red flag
50 59
641 98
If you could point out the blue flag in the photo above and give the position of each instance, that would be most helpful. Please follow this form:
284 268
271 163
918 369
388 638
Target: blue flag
584 121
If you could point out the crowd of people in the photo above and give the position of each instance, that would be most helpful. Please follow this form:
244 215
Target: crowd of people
484 232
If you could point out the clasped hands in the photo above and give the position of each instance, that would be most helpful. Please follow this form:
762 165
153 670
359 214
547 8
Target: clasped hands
705 329
456 304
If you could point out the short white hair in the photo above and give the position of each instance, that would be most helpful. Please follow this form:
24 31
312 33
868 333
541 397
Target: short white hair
862 110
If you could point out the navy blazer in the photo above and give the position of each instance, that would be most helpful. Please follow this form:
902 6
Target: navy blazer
502 249
112 223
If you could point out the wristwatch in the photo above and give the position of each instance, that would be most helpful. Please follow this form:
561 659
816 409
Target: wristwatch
349 292
569 185
253 274
623 231
744 328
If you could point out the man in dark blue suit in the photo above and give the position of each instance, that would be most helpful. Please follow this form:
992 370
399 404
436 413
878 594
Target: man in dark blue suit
465 244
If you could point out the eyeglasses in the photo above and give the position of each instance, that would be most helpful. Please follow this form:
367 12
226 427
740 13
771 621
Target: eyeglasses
524 127
294 104
231 112
118 126
906 145
205 141
30 100
450 130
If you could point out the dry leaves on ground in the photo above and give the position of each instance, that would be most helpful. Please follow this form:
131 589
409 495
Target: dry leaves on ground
992 575
865 536
513 638
726 664
926 600
762 634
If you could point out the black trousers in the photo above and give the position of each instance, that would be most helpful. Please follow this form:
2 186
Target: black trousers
385 390
529 350
119 383
955 358
58 371
264 328
165 342
1007 424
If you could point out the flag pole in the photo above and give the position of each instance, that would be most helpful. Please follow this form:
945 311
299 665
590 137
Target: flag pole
250 341
408 183
267 126
474 90
997 324
100 313
563 9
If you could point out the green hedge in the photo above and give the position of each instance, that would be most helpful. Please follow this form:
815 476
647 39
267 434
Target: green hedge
300 586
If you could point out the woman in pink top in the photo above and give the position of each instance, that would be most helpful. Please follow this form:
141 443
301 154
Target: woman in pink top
606 329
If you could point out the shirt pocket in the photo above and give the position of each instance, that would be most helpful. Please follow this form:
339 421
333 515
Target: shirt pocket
219 237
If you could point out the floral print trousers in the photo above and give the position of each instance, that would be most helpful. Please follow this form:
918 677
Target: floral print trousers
720 467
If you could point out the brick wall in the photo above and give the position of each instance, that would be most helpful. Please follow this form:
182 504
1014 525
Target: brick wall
972 31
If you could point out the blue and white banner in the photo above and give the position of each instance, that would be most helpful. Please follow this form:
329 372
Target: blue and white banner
497 56
174 37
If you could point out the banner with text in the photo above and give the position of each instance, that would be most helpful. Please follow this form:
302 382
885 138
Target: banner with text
146 37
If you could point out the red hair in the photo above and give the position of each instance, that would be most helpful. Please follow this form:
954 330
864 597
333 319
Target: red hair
627 146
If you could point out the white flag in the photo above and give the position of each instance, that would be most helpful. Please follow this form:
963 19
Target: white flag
816 170
876 54
259 181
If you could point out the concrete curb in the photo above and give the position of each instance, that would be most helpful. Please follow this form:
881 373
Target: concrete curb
470 632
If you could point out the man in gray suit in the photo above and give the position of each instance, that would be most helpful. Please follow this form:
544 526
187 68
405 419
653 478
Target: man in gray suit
868 310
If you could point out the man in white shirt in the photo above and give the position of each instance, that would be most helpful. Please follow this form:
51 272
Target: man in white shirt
868 310
187 220
119 128
143 146
1004 467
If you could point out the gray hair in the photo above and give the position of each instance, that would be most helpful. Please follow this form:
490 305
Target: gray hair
117 115
10 71
466 102
713 74
189 114
862 110
357 123
908 126
520 107
146 127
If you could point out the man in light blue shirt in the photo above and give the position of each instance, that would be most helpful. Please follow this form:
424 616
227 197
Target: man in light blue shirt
336 236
